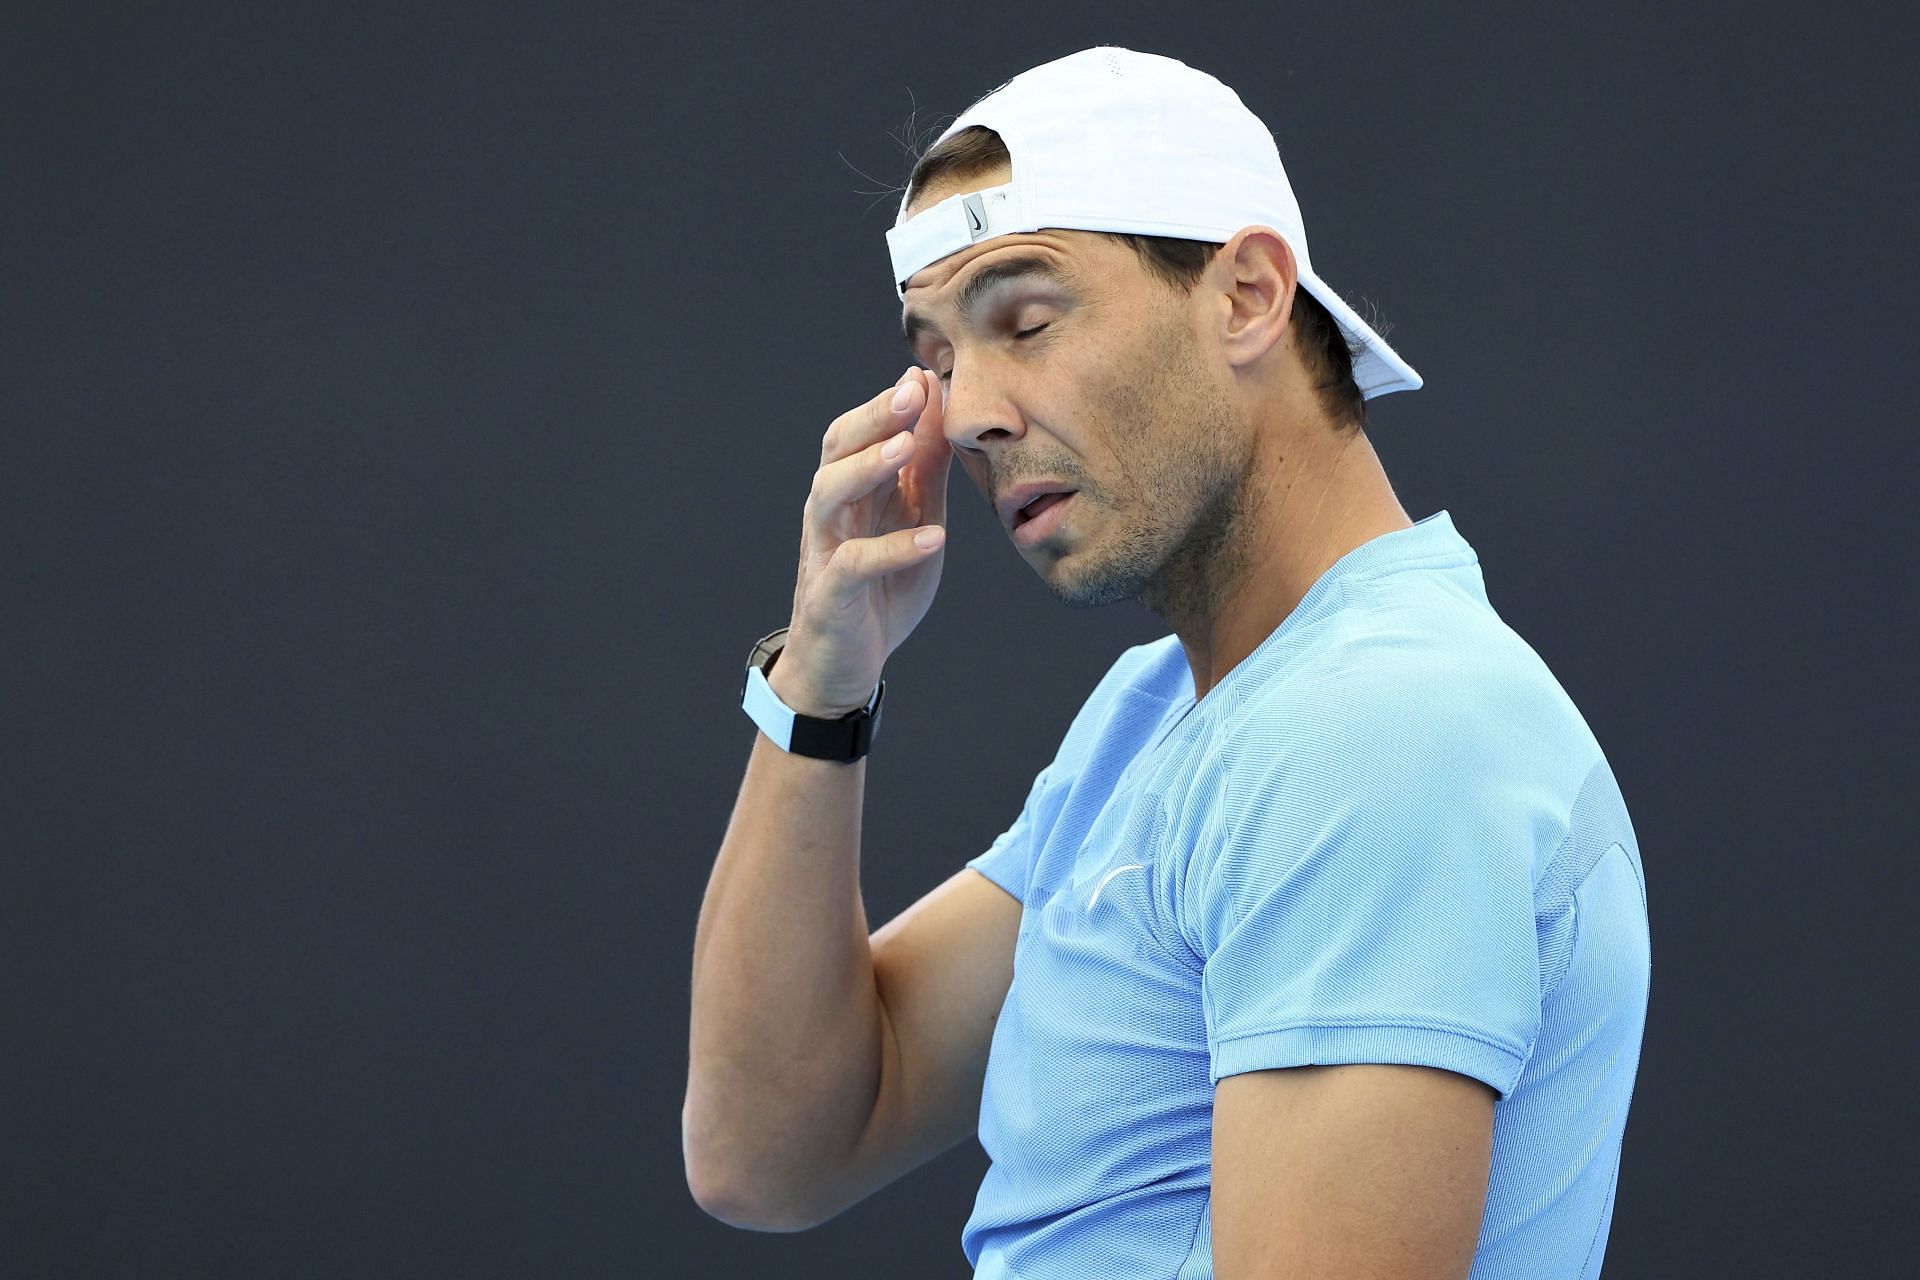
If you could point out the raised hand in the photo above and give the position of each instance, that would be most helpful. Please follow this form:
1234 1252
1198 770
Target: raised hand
872 542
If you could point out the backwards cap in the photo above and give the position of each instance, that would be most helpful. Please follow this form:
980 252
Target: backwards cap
1112 140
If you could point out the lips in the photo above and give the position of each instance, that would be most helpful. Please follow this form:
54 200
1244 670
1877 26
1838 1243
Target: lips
1018 505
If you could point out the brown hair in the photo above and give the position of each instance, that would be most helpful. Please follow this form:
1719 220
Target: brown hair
1177 263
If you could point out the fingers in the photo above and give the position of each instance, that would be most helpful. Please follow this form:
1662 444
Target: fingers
866 447
858 562
852 534
876 419
838 485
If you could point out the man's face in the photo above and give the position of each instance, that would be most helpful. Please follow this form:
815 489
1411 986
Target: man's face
1087 372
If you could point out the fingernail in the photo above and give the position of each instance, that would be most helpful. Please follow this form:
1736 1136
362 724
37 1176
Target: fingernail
902 396
892 448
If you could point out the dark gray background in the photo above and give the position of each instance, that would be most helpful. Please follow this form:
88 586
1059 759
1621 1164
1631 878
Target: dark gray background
405 418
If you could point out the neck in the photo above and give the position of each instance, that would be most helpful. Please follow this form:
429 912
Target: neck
1244 571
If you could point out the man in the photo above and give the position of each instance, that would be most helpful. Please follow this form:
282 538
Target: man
1328 919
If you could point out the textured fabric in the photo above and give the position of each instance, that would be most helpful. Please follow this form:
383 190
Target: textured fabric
1387 835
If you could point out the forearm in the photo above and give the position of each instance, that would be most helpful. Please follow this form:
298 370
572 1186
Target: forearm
784 1060
784 1053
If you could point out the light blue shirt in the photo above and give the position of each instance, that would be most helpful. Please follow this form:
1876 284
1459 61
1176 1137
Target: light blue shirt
1387 835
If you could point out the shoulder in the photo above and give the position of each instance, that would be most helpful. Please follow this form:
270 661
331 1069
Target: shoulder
1407 681
1401 727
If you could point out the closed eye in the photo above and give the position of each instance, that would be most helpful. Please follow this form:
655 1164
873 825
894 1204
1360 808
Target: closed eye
1018 333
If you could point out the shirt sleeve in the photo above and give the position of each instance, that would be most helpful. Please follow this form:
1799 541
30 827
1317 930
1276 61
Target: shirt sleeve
1008 861
1373 904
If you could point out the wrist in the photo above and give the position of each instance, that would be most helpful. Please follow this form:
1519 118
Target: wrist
817 726
792 684
792 688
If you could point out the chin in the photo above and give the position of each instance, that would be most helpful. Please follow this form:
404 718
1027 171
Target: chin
1089 590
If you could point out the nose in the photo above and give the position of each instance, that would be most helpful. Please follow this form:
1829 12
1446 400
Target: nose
978 414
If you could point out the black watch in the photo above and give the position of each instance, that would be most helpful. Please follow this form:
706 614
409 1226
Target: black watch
845 739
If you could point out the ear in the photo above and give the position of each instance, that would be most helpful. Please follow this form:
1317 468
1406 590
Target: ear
1254 278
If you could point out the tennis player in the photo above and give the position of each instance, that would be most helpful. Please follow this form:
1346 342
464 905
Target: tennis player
1319 948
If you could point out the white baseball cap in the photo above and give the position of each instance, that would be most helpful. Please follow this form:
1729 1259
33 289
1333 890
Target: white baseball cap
1112 140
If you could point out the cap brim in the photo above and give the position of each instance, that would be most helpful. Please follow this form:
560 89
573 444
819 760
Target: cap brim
1377 367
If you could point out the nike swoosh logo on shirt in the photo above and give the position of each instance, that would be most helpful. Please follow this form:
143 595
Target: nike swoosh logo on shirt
1131 866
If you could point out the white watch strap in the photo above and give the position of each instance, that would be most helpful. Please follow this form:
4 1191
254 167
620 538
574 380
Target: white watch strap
775 717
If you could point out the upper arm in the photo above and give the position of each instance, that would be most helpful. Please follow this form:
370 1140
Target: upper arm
942 968
1369 1171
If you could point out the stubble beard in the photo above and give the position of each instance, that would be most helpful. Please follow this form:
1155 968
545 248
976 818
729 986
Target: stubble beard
1186 493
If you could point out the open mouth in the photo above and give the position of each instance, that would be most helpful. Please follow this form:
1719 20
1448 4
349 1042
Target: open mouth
1037 506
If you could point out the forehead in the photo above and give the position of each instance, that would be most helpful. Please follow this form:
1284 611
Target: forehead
963 282
1058 250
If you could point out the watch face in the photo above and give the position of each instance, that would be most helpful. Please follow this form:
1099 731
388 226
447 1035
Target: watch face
767 648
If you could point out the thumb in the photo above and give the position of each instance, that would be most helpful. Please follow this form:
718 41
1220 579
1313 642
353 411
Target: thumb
925 477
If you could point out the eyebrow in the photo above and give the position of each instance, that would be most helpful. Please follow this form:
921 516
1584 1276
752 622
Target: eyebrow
1027 266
